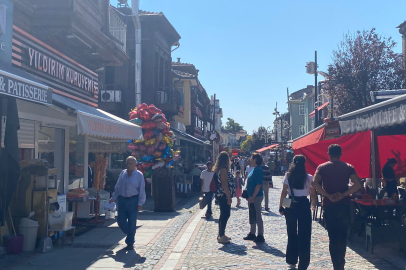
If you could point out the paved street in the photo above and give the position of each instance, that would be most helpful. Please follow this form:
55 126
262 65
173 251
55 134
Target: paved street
184 240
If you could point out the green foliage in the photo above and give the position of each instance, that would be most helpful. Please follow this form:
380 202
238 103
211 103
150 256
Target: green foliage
246 145
363 62
232 126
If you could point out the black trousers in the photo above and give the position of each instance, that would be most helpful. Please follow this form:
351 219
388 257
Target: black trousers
338 220
299 226
209 199
225 211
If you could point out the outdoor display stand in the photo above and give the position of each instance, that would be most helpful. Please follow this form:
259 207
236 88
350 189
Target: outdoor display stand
98 183
163 190
184 184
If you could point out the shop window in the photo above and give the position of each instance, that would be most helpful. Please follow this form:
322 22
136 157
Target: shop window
118 161
76 158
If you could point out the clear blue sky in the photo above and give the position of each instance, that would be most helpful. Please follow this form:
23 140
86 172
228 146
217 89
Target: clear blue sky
249 52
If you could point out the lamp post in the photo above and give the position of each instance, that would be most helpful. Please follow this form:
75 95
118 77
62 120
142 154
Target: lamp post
311 68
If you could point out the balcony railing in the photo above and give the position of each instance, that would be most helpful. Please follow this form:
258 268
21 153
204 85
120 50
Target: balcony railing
118 29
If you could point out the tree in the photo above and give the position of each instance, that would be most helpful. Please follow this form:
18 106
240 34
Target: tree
246 145
363 62
232 126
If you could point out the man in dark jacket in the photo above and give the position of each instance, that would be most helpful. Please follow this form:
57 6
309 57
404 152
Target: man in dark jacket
267 182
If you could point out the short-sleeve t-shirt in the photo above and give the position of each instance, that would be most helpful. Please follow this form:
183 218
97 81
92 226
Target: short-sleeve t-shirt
300 192
255 178
335 177
207 177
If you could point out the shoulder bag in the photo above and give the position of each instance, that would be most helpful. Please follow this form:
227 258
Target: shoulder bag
289 202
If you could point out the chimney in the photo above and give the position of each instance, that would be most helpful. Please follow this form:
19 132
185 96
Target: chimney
178 59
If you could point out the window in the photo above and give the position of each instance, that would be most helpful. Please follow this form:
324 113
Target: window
302 130
302 110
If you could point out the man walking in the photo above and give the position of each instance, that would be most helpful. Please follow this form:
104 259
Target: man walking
242 167
129 194
266 184
334 176
271 166
207 176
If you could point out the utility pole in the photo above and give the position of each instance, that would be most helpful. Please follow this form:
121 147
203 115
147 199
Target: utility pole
316 111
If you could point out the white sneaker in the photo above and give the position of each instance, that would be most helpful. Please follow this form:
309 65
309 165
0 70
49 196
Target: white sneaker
229 238
291 266
223 240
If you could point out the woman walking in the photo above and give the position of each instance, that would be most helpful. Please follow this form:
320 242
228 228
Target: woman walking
225 191
238 187
298 184
255 196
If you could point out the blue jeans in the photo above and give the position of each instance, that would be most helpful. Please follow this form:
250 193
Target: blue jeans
127 217
209 199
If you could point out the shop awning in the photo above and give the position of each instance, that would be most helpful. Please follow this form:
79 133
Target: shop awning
387 113
319 109
266 148
19 84
312 137
95 122
187 137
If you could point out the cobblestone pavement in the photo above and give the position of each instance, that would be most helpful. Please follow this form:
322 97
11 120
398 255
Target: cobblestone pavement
206 253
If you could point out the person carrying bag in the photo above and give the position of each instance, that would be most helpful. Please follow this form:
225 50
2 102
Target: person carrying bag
296 209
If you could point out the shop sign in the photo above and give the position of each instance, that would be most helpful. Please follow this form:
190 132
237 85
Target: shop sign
15 86
380 116
6 30
56 69
95 147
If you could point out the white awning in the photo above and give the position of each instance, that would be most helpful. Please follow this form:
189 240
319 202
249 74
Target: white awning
95 122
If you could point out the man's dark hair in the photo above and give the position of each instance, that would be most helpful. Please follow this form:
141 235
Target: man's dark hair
258 159
209 163
334 151
238 172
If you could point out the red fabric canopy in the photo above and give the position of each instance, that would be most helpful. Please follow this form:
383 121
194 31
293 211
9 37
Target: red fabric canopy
266 148
393 146
309 139
356 151
319 109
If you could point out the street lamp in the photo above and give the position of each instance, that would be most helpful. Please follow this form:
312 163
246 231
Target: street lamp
311 68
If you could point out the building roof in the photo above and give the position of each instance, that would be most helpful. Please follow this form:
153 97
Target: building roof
144 12
165 26
183 74
299 93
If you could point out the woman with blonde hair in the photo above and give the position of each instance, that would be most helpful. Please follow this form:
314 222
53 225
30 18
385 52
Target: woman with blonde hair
225 191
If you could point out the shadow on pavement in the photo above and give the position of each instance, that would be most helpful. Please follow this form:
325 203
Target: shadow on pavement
270 250
129 258
234 249
270 214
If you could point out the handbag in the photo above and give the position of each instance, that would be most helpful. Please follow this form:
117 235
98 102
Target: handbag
213 186
202 201
289 202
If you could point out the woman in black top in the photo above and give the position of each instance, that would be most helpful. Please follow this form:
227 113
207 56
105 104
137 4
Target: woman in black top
389 177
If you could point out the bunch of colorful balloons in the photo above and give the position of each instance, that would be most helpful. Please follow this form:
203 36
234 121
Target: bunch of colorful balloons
155 150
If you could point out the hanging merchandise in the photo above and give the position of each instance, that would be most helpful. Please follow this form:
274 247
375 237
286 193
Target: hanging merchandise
155 150
100 172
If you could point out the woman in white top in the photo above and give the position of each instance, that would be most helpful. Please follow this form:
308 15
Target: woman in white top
298 215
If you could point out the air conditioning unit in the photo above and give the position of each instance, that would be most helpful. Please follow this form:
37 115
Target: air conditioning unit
110 95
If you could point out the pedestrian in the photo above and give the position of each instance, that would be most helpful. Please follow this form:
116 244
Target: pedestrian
232 166
271 165
331 180
242 167
255 197
248 170
225 191
389 178
299 217
238 189
129 194
267 183
207 177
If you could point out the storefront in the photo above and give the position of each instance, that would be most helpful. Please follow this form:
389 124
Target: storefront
60 123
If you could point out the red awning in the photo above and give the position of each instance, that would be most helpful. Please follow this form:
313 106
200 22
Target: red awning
312 137
266 148
320 108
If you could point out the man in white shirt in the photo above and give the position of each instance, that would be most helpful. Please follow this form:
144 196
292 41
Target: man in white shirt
248 169
129 194
242 168
207 176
